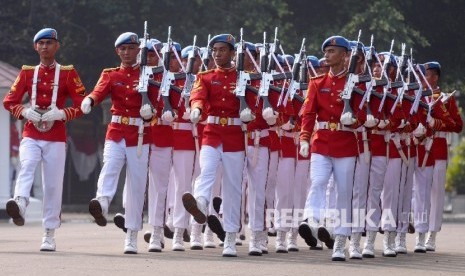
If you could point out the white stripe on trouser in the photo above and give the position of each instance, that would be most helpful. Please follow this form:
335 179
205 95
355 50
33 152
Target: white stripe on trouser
183 165
321 168
301 186
284 193
52 155
170 193
256 182
390 194
377 172
159 176
115 155
233 165
405 195
359 194
270 189
437 195
422 180
330 199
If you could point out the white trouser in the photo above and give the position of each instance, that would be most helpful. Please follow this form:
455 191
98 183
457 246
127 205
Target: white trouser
330 199
405 195
233 165
170 191
256 180
284 193
422 180
390 194
359 194
115 155
183 166
301 186
159 177
270 189
377 172
52 155
321 168
437 195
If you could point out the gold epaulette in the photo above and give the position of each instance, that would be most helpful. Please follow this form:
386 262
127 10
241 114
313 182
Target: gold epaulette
110 69
317 77
204 72
67 67
28 67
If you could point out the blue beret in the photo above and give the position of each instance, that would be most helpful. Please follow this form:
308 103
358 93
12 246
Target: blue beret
433 65
126 38
393 58
280 59
422 68
225 38
154 44
353 44
177 46
323 62
186 50
47 33
313 60
289 58
336 41
249 46
203 49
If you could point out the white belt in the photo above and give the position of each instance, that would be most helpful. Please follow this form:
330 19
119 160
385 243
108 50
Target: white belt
182 126
378 132
159 122
262 133
224 121
333 126
124 120
440 134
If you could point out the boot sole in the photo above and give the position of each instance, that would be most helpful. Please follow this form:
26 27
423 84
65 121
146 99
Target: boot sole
217 204
130 252
324 236
190 204
229 255
255 253
12 209
306 233
199 247
315 248
119 221
338 259
215 225
95 209
47 250
368 256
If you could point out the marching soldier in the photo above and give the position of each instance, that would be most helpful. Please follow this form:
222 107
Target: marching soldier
48 85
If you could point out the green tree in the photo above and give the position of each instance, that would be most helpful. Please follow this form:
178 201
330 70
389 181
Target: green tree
455 177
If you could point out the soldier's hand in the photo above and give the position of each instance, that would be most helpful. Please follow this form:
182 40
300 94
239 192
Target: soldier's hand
146 112
246 115
187 114
419 131
31 115
86 105
347 119
195 115
288 126
304 148
168 116
383 123
371 121
270 116
54 114
430 120
403 123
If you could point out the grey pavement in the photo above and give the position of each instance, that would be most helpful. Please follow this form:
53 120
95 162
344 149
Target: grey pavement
83 248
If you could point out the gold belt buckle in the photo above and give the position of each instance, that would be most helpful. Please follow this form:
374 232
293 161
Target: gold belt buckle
154 121
124 120
333 126
223 121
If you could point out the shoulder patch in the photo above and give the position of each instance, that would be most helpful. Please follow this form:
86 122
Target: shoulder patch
67 67
317 77
205 72
110 69
28 67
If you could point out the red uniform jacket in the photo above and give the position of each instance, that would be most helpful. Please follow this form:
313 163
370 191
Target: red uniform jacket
69 85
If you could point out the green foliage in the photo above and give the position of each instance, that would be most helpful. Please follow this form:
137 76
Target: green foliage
455 176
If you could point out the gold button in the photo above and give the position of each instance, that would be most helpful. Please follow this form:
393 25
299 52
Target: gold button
334 83
223 99
127 110
331 105
332 117
225 77
46 73
222 111
45 83
332 94
129 75
127 86
224 87
44 95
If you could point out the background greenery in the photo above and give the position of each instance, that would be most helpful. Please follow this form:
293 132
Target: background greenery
88 28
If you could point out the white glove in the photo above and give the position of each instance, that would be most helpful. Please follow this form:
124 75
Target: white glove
31 115
419 131
430 121
86 105
347 120
146 112
288 126
53 114
270 116
246 115
304 148
167 116
14 160
195 115
403 123
383 123
187 114
371 121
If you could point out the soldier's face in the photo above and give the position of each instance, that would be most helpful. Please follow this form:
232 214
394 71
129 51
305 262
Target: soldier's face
152 58
222 54
431 77
335 55
128 53
46 48
174 64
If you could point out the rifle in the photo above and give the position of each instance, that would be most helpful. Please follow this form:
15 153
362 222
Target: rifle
205 57
294 85
190 77
352 78
242 77
385 70
400 82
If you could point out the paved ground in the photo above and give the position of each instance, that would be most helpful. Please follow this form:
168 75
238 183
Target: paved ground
83 248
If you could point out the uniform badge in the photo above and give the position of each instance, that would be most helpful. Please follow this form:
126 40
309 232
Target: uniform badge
213 82
325 90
